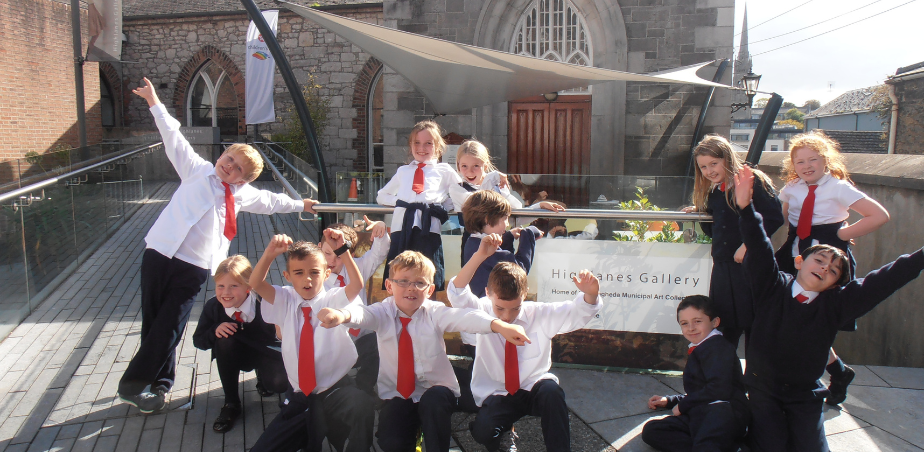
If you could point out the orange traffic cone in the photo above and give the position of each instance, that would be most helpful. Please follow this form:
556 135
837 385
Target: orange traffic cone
353 196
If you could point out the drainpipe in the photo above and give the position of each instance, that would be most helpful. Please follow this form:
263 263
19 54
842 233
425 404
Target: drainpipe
893 123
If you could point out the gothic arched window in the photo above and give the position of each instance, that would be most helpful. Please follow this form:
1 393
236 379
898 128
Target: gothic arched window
211 101
553 30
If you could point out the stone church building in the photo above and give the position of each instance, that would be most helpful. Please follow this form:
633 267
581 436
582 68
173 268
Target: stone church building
193 51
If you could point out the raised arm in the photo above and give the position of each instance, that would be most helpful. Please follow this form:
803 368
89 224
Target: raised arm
861 295
355 286
759 261
278 245
181 155
487 248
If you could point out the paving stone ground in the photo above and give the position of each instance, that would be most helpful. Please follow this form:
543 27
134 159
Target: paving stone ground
60 368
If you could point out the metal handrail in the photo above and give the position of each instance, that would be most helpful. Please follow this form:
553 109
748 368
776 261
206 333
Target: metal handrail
53 180
303 176
293 193
602 214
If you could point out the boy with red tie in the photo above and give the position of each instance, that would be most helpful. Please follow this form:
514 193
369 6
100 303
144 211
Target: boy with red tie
796 322
415 377
190 237
366 347
509 382
324 400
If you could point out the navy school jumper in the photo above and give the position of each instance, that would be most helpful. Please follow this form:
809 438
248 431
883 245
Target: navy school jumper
522 257
789 340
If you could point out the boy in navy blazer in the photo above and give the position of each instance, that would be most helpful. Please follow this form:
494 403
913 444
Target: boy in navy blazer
232 327
796 321
713 414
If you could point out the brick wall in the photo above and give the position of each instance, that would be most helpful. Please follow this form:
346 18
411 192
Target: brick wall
909 137
170 50
37 93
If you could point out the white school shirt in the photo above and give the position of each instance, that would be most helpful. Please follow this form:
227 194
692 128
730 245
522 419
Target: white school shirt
542 321
797 289
334 352
368 264
191 227
438 178
833 199
491 182
429 322
248 309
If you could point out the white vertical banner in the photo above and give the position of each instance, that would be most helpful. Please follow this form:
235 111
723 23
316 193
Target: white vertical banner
260 68
104 27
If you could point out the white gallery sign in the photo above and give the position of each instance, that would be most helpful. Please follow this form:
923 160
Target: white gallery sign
640 283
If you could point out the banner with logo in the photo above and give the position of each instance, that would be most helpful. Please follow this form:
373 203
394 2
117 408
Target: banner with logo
104 26
260 68
640 283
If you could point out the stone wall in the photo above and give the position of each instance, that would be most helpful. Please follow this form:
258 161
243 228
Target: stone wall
170 50
636 128
890 334
38 107
909 138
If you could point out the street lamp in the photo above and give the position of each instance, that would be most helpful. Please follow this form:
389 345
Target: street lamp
551 97
750 82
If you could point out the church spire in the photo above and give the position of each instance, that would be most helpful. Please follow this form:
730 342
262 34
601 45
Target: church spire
743 61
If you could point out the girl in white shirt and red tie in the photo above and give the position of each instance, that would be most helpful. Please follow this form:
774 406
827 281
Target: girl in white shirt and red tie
817 200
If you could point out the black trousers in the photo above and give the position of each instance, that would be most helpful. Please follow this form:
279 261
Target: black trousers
400 419
233 355
168 290
713 428
779 423
367 364
345 413
546 399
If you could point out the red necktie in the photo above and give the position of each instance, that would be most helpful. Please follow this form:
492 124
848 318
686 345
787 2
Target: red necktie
237 316
511 368
805 217
406 378
306 378
801 298
722 187
690 350
230 219
418 185
341 280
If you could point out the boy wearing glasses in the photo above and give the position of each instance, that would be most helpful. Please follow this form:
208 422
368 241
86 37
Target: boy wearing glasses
415 377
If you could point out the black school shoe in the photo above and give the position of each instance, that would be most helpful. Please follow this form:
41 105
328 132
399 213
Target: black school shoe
838 387
226 418
146 402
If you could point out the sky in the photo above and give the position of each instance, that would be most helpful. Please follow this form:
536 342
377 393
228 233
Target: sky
857 56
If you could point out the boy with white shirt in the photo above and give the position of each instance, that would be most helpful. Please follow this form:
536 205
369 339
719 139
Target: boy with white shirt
511 382
190 237
324 401
366 347
415 377
713 414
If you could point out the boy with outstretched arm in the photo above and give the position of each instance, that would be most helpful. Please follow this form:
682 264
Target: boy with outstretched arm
713 414
415 377
510 382
796 321
366 347
188 240
324 400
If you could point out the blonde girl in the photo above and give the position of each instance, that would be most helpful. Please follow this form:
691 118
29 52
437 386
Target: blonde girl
420 193
817 200
713 193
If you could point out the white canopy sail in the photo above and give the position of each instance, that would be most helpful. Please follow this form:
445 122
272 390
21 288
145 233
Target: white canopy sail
458 77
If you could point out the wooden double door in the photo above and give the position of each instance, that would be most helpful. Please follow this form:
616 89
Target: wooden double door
549 137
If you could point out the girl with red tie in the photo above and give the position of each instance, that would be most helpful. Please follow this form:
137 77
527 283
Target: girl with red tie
817 199
714 193
420 193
